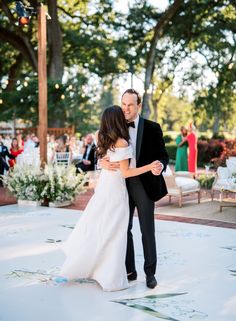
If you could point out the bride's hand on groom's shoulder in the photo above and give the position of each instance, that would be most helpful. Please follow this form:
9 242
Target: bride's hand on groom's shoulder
106 164
156 167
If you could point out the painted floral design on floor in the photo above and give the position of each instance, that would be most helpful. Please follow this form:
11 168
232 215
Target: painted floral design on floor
43 276
68 226
155 305
53 241
231 248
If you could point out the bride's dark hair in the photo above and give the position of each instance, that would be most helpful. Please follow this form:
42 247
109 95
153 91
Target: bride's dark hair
113 126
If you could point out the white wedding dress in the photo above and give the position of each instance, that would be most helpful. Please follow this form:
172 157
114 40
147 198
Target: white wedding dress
96 248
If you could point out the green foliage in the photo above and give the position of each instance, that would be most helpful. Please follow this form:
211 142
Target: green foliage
101 44
206 181
67 104
171 150
208 150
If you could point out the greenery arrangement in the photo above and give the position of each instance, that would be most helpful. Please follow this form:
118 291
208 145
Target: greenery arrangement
206 181
55 183
25 182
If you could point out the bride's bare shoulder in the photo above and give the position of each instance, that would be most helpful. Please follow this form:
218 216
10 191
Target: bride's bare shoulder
121 142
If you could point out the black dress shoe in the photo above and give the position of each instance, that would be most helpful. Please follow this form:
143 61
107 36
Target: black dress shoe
151 281
132 276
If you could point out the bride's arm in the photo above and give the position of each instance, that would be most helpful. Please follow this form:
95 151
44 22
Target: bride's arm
130 172
124 164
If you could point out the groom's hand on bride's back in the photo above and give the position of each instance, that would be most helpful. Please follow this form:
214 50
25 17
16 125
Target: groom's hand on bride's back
106 164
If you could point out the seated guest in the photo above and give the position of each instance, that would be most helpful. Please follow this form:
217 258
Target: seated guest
20 140
36 141
88 161
15 150
3 162
61 147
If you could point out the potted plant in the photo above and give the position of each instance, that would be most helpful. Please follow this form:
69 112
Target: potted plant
26 183
62 184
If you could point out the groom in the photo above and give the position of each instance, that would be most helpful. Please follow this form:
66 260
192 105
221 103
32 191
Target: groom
148 145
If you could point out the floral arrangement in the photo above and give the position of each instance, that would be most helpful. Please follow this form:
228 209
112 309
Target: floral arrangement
56 183
25 182
62 183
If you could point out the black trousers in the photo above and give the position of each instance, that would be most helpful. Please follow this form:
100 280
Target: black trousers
139 199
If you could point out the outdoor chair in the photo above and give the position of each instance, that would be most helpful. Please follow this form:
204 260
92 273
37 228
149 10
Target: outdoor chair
223 178
62 158
180 186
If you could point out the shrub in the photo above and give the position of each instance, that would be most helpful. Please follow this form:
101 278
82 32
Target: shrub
171 150
208 150
219 136
229 149
167 138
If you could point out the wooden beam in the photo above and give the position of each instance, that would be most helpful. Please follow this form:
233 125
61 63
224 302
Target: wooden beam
42 83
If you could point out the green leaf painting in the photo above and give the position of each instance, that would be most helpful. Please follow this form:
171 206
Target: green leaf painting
132 304
149 311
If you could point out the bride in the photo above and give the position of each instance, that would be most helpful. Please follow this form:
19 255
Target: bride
96 248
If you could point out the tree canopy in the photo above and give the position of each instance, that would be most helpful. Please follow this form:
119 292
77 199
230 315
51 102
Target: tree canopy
189 46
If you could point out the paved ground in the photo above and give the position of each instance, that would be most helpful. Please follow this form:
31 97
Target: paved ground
196 273
206 213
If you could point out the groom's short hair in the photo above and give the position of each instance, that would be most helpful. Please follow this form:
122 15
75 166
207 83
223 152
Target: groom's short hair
133 92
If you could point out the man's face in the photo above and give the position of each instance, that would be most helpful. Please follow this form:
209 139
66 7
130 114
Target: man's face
130 106
89 139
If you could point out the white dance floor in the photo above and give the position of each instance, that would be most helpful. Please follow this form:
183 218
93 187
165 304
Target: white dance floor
196 273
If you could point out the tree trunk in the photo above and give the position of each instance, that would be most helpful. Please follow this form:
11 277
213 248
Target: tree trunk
216 124
150 61
55 68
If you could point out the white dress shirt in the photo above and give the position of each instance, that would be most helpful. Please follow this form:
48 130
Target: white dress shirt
133 140
89 146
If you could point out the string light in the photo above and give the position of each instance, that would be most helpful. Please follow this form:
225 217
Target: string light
25 83
1 101
57 86
63 96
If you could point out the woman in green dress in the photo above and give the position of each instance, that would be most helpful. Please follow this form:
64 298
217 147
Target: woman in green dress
182 151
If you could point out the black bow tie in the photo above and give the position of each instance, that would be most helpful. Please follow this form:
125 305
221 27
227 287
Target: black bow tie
131 124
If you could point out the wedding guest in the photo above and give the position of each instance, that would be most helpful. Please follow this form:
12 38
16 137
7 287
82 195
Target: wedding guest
61 147
192 144
3 162
89 157
15 151
20 140
191 138
29 143
181 163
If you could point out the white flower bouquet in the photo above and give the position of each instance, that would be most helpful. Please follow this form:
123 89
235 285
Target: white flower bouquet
25 182
62 183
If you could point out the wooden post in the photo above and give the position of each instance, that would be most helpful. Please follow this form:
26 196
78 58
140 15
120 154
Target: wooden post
42 84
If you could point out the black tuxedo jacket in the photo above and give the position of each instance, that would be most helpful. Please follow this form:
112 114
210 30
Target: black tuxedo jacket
3 153
150 146
91 157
